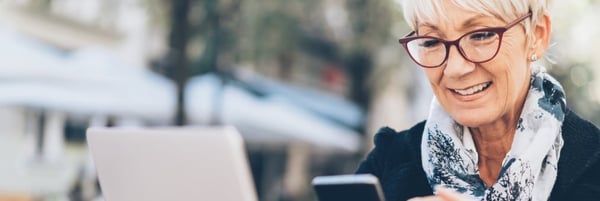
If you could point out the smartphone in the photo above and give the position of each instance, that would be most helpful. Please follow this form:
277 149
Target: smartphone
360 187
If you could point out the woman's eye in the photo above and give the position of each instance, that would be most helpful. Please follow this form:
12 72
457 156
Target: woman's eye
484 35
430 43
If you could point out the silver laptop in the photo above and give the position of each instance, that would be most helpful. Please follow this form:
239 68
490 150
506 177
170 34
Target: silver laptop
158 164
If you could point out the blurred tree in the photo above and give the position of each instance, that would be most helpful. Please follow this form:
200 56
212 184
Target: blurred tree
177 61
193 20
213 25
371 22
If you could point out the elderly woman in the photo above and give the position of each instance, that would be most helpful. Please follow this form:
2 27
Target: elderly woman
498 126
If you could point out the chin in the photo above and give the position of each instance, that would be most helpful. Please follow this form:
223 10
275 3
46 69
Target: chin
472 119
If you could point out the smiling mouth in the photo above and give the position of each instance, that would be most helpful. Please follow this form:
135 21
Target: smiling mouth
472 90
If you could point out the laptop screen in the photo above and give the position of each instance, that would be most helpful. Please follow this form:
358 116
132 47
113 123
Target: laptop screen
185 163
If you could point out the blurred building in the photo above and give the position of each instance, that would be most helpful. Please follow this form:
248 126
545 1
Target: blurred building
70 65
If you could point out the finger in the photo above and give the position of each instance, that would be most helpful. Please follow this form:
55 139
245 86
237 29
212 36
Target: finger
448 195
428 198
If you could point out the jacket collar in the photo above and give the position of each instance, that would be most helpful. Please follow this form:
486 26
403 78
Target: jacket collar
580 150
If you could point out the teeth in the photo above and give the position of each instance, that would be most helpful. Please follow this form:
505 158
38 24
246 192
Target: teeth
472 90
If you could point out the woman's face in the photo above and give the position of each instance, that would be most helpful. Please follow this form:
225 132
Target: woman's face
479 94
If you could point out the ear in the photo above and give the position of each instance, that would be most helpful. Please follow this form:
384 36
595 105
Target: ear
541 36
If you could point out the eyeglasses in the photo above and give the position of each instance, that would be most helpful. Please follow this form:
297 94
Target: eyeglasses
478 46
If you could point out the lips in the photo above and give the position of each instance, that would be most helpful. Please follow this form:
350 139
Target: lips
472 90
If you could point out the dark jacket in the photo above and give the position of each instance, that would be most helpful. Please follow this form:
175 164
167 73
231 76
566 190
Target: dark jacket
396 161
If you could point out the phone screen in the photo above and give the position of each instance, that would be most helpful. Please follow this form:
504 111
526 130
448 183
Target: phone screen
348 188
347 192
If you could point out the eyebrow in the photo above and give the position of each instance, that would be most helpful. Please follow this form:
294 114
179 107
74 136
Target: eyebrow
473 21
428 25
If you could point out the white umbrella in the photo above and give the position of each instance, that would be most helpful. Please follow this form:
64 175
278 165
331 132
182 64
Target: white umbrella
263 120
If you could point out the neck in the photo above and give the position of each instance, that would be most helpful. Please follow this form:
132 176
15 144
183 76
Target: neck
493 142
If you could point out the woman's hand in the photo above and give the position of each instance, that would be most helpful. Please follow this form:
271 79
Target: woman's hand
442 194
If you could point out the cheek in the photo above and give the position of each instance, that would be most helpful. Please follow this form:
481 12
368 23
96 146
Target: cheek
434 75
513 48
511 72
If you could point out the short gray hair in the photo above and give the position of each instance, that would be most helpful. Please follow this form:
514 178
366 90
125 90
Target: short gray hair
416 11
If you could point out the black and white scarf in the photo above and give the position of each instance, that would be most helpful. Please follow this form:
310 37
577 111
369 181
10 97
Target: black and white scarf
528 170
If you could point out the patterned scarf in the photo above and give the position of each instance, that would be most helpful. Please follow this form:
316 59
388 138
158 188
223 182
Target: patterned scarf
528 170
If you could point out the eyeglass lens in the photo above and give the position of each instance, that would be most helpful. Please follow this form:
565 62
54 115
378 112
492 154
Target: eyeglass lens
476 46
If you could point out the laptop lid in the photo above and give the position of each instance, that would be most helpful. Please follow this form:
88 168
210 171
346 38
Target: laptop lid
185 163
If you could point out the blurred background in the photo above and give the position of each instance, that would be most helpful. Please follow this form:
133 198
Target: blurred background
307 83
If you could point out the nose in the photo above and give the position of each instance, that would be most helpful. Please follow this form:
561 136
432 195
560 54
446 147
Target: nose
456 65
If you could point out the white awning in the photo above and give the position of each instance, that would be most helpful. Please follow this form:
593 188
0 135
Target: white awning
91 81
